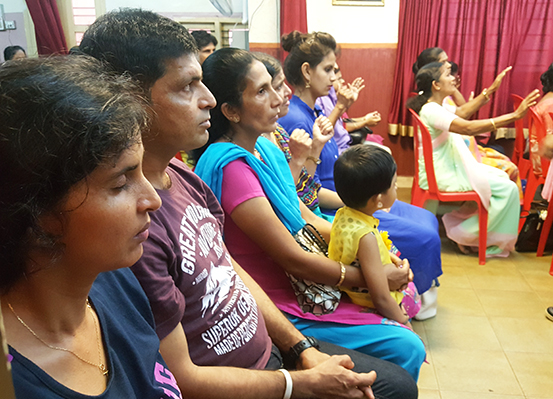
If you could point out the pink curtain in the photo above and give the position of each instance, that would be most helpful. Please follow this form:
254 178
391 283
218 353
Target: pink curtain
48 29
293 16
483 37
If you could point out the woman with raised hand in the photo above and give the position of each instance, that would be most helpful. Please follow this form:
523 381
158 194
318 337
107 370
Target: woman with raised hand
456 104
251 178
309 68
456 168
74 210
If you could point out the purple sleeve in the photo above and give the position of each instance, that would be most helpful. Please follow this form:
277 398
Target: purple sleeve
167 302
240 183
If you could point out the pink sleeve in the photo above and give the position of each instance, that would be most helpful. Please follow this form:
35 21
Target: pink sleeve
240 183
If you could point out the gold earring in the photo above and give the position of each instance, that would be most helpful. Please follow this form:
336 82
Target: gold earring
236 120
379 205
307 85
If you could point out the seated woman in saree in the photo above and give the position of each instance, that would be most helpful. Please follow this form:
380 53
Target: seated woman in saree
457 170
456 104
309 68
251 178
74 208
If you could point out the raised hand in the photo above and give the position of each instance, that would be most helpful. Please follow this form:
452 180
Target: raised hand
323 131
497 82
529 101
300 145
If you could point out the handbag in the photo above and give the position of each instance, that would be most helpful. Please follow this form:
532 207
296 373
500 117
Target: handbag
314 297
529 236
360 135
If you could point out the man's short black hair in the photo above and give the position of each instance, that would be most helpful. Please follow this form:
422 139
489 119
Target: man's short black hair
361 172
10 51
138 42
203 38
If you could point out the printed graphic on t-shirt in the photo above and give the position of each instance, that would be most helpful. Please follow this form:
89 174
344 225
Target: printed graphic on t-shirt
227 305
167 382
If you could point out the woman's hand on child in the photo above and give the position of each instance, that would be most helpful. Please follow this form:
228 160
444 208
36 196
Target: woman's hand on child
398 278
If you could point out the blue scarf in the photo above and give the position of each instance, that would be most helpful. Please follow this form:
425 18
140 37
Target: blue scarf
274 175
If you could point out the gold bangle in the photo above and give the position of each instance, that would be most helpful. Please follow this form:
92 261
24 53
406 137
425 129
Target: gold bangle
493 124
485 94
342 274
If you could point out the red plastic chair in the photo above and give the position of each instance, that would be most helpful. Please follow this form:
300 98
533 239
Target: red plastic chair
423 140
524 165
536 131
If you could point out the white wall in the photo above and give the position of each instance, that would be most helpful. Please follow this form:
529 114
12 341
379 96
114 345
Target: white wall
355 24
181 7
264 21
14 5
348 24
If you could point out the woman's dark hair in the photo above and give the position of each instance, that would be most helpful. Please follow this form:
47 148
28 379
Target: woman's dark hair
427 56
547 80
61 118
10 51
138 42
271 63
361 172
224 74
426 75
454 67
305 47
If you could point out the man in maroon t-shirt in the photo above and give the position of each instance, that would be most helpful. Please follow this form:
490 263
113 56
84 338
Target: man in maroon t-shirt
202 300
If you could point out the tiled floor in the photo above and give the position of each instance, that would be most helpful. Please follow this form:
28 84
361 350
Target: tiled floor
490 338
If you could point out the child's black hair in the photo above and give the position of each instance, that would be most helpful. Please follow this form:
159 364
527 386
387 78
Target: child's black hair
361 172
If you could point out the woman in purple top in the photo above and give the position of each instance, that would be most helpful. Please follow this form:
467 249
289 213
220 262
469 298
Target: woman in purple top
309 68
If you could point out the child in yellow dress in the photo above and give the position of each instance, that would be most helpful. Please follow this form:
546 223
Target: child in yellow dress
365 178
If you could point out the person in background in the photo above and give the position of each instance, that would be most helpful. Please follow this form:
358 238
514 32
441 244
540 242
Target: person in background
263 215
14 53
298 147
341 96
493 155
457 170
309 68
206 43
543 108
74 213
208 310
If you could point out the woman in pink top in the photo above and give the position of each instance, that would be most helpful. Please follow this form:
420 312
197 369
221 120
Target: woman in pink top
543 108
253 182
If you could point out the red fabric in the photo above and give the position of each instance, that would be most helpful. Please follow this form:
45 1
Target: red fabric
50 38
483 37
293 16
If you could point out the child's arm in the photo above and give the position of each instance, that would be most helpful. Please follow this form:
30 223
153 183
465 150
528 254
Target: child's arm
377 282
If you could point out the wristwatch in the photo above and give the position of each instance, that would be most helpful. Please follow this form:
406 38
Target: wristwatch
316 160
294 353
